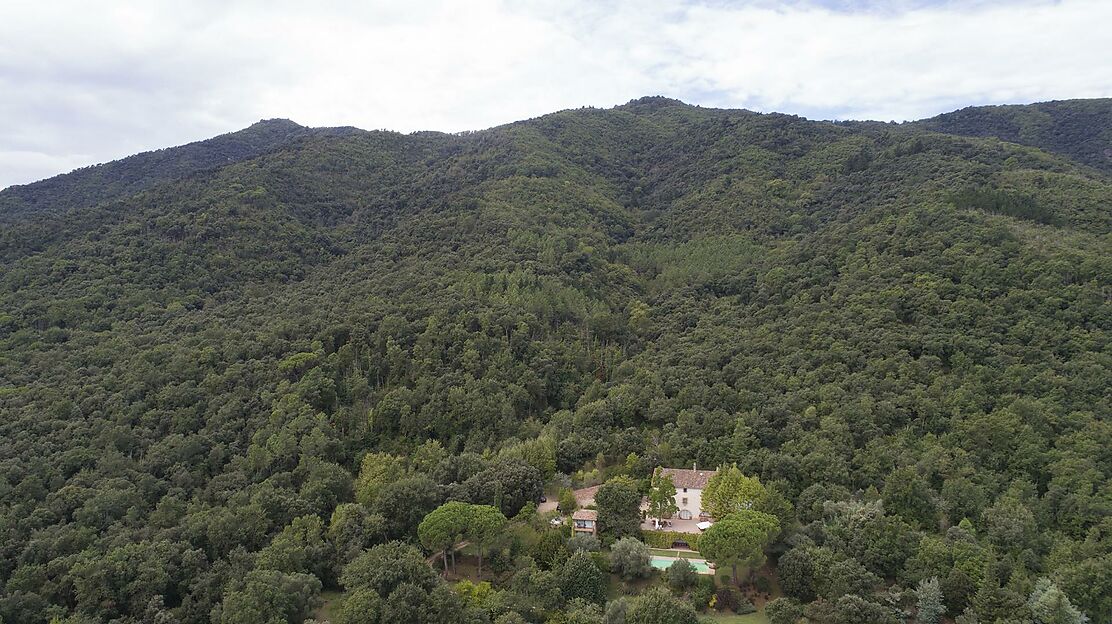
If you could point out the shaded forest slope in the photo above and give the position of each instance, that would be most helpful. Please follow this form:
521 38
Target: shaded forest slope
198 345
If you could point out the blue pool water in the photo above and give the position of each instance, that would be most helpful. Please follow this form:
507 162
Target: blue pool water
662 563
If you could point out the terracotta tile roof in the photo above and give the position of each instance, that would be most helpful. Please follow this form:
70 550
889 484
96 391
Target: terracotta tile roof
684 478
585 514
586 496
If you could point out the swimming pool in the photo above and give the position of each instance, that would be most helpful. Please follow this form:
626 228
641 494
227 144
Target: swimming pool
662 563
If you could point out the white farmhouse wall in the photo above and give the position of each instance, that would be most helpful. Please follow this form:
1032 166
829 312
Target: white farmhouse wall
694 503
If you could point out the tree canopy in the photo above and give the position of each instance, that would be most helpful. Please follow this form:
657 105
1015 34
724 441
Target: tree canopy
619 507
662 496
730 491
739 539
262 361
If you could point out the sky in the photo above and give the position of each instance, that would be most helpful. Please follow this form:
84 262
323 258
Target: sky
87 82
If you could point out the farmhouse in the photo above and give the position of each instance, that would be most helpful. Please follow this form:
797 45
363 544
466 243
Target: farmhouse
689 491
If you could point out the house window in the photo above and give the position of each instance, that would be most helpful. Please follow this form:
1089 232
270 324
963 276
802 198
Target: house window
685 490
685 500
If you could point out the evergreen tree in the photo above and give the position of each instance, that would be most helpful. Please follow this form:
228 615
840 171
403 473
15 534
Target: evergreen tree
443 527
482 525
929 595
796 570
739 539
1049 605
581 578
629 558
619 508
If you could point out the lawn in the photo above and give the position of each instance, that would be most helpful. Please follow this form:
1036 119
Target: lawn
678 554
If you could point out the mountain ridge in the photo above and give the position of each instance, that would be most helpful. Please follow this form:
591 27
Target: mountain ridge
138 172
219 381
1079 129
998 121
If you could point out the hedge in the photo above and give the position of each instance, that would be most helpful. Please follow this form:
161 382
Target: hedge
664 539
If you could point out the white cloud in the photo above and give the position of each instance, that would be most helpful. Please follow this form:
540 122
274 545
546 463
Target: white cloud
84 83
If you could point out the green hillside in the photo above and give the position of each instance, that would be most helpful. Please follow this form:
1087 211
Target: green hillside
213 357
1077 129
89 186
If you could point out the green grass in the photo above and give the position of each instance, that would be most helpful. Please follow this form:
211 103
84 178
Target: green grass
678 554
330 605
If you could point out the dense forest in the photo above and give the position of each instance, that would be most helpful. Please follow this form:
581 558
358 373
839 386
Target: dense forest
272 376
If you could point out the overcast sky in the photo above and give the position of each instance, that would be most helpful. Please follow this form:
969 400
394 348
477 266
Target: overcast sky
85 82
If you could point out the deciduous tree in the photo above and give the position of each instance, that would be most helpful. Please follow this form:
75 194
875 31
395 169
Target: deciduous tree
662 496
657 606
730 491
386 566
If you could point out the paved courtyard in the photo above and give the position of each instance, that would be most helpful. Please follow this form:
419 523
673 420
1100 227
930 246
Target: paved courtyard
677 525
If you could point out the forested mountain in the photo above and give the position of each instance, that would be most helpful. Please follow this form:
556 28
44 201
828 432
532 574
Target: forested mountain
1078 129
92 185
229 368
